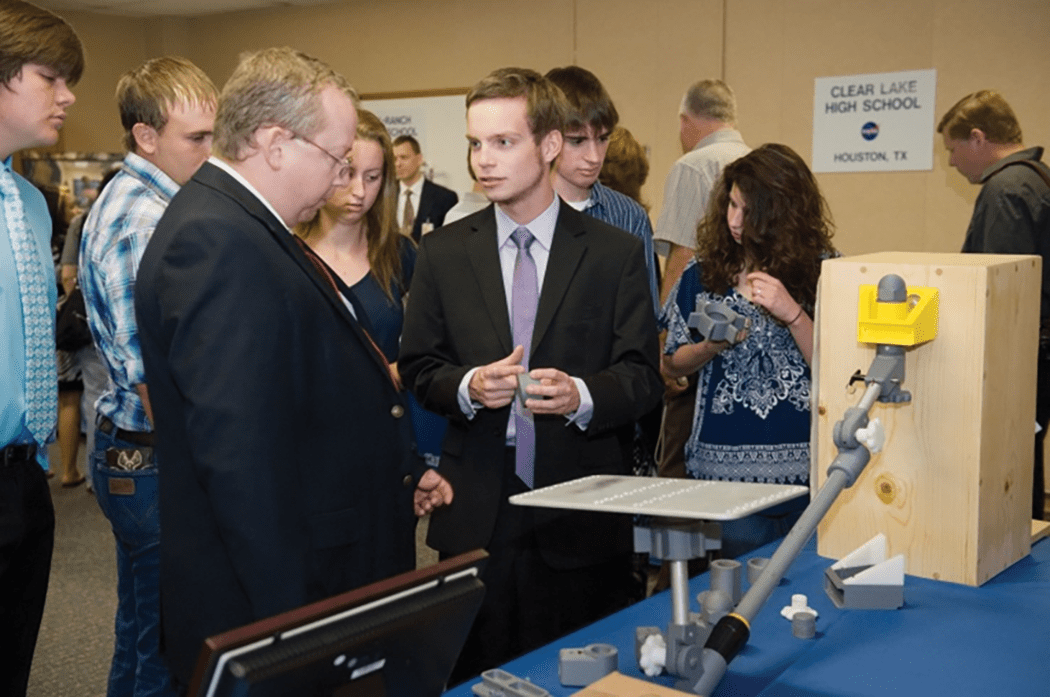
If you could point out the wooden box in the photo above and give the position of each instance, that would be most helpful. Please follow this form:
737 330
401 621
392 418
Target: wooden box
951 490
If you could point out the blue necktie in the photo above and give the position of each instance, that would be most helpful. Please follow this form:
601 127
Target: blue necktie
524 299
37 320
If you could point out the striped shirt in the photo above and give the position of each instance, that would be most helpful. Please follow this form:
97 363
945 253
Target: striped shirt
116 231
621 211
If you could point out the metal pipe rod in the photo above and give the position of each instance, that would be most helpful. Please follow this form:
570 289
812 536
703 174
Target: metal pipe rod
789 549
679 571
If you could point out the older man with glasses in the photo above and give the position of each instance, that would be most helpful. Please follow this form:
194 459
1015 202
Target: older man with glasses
288 470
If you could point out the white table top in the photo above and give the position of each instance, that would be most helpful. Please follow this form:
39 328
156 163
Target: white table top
661 496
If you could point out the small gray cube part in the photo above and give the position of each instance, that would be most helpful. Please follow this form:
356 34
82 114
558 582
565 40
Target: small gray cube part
524 381
500 683
581 667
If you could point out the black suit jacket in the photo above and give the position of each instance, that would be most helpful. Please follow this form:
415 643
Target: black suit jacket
434 202
284 448
594 321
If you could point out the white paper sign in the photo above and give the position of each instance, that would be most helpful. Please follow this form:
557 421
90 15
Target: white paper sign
439 124
874 123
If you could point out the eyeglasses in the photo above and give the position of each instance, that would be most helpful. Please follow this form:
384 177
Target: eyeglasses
342 166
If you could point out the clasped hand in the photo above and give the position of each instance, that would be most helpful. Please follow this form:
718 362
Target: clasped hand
432 491
496 384
771 294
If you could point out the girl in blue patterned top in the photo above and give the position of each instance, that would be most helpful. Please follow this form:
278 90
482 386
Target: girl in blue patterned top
759 251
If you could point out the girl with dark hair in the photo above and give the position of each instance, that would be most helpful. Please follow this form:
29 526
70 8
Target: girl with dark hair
356 233
759 250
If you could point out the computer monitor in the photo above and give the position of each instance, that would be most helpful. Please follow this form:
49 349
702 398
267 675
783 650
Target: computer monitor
396 637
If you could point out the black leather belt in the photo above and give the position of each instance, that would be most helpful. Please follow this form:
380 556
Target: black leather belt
18 454
107 426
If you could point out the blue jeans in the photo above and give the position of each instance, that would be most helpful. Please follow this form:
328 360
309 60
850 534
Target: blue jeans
95 377
129 500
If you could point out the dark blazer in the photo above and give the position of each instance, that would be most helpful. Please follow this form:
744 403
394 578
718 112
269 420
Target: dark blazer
594 321
434 202
285 450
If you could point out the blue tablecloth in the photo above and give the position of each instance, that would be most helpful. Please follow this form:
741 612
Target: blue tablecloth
948 639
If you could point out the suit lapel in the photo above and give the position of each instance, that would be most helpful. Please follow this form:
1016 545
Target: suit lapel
216 178
567 250
484 258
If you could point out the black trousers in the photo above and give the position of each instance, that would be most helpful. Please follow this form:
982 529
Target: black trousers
527 603
27 538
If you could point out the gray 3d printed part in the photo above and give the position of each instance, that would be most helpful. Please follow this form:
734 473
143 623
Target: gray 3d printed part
755 567
804 625
714 605
725 576
581 667
682 541
500 683
524 380
865 579
715 321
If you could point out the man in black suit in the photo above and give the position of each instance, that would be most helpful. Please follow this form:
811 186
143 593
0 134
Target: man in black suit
421 204
474 326
288 470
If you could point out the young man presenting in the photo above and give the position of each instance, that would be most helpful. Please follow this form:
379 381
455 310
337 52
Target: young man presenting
1011 215
565 297
40 57
167 108
592 117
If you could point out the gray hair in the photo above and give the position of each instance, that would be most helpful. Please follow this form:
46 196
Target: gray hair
273 87
713 99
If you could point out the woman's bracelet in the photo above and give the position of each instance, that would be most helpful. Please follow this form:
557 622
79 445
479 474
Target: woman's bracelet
800 311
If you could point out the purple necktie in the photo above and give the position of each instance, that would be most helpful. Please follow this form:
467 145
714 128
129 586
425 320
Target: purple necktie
523 302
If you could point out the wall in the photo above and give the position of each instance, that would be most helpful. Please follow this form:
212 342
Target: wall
770 51
775 49
646 53
112 46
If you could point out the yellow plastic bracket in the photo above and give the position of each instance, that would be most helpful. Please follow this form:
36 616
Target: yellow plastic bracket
900 324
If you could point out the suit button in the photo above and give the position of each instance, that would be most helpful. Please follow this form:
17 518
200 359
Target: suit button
397 411
407 481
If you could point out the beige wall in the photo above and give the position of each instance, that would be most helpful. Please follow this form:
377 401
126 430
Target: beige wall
770 51
646 53
113 45
775 49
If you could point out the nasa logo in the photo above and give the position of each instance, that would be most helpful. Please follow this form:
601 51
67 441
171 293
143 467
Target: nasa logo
869 130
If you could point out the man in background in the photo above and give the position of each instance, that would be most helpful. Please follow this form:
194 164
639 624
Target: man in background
421 204
167 108
710 141
1011 216
40 57
285 445
530 285
592 117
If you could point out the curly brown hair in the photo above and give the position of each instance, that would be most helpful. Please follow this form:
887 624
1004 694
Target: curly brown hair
787 224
